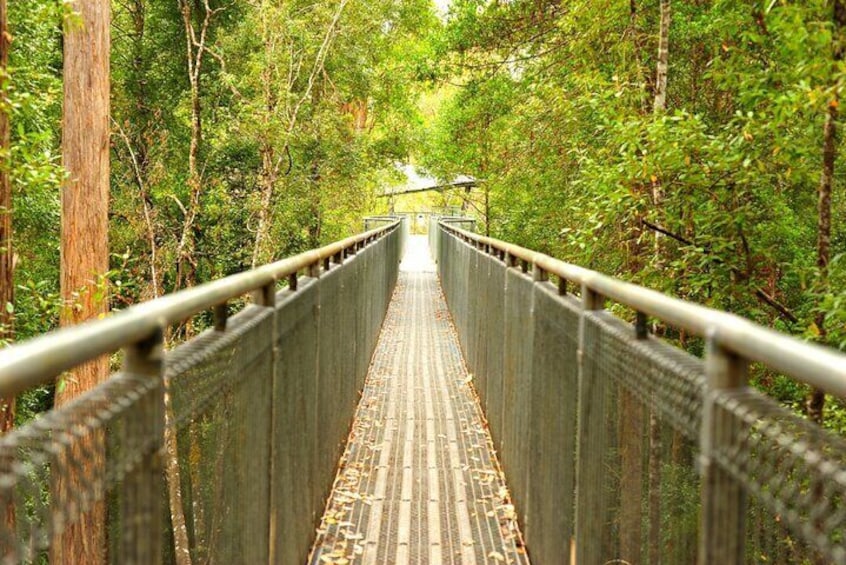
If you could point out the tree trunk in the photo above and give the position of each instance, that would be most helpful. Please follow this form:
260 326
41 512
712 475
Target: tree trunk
7 261
268 184
659 107
655 544
84 245
660 104
630 430
816 401
269 166
141 138
195 43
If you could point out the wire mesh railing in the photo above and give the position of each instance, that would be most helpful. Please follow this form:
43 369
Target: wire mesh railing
621 448
222 450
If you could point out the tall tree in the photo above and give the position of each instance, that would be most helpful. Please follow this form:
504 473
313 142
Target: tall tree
7 261
84 231
197 22
655 446
816 402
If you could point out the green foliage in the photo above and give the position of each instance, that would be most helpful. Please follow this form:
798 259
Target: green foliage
552 105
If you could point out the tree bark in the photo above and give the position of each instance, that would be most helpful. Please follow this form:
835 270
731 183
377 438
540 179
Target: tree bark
269 166
195 49
84 244
630 430
7 261
659 108
141 140
816 400
660 104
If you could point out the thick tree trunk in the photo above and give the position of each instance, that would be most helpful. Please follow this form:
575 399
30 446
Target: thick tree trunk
84 243
7 259
816 401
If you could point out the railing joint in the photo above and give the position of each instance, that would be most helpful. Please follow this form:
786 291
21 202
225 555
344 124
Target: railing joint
641 326
592 300
539 274
221 317
314 268
146 357
265 296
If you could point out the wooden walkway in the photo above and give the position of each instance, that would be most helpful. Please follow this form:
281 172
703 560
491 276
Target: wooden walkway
419 481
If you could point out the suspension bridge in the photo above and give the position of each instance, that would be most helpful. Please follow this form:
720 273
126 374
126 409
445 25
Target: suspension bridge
397 399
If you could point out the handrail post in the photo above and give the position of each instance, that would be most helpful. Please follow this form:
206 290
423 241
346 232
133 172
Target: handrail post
266 297
140 498
221 317
585 545
538 274
723 499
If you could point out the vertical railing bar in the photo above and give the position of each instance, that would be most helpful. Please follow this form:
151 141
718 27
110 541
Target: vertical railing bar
723 498
314 268
583 534
143 545
641 326
539 274
265 296
221 317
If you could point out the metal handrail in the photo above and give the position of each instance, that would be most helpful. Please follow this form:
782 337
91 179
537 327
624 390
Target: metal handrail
40 360
819 366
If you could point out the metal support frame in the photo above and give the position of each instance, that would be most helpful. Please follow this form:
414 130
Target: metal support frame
818 366
733 343
38 361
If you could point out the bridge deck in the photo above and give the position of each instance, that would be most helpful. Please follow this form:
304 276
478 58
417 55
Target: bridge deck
419 481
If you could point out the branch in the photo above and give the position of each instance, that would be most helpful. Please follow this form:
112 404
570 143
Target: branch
668 233
776 305
759 292
320 58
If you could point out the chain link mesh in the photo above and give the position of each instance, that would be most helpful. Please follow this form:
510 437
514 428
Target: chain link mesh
187 464
98 455
794 472
641 411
